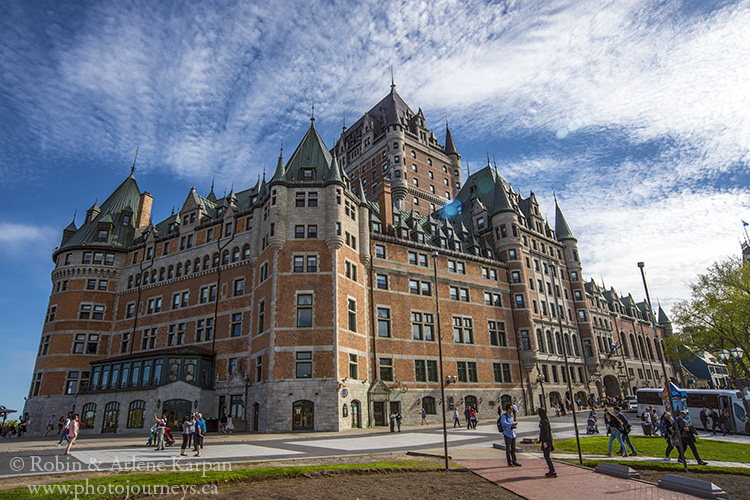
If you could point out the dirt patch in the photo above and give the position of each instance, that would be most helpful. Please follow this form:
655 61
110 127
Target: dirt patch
737 487
453 485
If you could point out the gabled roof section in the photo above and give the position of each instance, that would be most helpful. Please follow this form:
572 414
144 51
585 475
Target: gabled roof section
126 196
310 153
663 318
562 230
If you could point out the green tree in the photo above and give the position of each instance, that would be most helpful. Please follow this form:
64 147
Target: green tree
717 315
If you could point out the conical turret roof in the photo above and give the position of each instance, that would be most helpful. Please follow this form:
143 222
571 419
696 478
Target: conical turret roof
562 230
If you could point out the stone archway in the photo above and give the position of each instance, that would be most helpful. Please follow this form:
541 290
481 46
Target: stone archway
611 386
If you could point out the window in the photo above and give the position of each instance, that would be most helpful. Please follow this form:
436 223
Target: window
153 305
418 259
353 370
236 406
422 326
176 334
581 315
261 316
312 231
90 343
204 330
384 322
459 293
304 310
263 274
148 339
125 343
519 301
381 281
497 333
235 327
303 365
51 312
136 412
491 274
503 374
90 284
463 330
420 371
352 314
351 270
299 231
380 251
259 369
88 414
466 371
71 383
525 340
239 287
386 369
44 345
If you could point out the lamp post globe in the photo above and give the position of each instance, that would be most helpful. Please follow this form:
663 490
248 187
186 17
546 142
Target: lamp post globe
737 353
723 355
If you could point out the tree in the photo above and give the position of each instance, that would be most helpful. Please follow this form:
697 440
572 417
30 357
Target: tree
717 315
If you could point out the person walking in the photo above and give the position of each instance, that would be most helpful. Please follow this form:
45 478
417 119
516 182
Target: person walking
473 419
615 431
72 432
199 430
398 420
545 438
666 426
64 431
456 418
626 428
187 425
230 424
467 415
704 418
726 421
715 421
508 428
161 424
392 419
424 417
50 425
687 434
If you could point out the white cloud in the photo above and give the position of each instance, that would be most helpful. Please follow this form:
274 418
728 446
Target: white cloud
14 237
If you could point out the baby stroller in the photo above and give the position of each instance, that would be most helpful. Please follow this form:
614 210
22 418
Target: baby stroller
591 425
168 437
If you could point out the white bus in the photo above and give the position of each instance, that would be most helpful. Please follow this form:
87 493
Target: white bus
696 400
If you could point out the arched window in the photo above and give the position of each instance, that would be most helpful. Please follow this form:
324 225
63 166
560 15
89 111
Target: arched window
567 345
162 273
550 345
170 272
225 257
153 276
188 267
558 342
642 347
471 401
576 349
130 281
111 415
634 346
215 259
303 413
135 414
505 400
206 262
197 265
428 403
540 340
246 252
624 343
88 415
235 254
145 278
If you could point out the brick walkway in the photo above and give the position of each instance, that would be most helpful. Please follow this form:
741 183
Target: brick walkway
572 482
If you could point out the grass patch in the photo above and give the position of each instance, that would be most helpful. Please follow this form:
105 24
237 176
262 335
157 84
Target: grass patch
723 451
668 467
106 487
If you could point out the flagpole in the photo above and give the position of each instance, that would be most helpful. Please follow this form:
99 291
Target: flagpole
744 227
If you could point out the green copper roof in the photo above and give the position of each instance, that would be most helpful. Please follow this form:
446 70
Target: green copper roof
562 230
310 153
663 318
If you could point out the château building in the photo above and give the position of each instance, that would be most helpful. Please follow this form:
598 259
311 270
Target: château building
308 301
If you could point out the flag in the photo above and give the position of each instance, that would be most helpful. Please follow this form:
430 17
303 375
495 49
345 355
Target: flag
744 224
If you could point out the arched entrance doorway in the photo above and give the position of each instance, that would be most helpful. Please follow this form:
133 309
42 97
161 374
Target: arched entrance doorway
611 387
356 416
175 410
471 401
581 398
302 415
505 400
599 389
554 397
256 415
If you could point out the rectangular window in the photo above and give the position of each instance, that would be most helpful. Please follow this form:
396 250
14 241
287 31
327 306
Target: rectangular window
352 314
44 345
384 322
420 371
304 310
432 371
422 326
261 316
148 339
299 264
519 301
299 231
85 311
71 383
90 284
353 369
125 343
235 327
204 330
463 330
461 371
312 263
386 369
380 251
497 333
239 287
351 270
303 365
312 231
381 281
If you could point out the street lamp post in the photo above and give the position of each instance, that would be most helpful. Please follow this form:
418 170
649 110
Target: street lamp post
663 367
440 357
734 356
540 381
552 271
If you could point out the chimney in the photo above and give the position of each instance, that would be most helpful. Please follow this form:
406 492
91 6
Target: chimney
386 204
144 209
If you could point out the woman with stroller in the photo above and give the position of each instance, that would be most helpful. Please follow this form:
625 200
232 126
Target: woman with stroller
591 426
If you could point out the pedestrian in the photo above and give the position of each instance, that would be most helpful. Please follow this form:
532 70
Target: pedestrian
473 419
545 438
161 424
655 421
626 428
726 421
508 428
50 425
223 422
467 415
456 418
687 435
704 418
615 427
392 419
398 420
60 424
715 421
199 432
64 431
72 432
230 424
187 425
424 417
666 426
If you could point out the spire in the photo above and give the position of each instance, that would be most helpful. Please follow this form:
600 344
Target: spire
562 230
211 196
343 126
468 170
334 174
450 147
279 173
488 159
312 113
393 83
132 169
361 192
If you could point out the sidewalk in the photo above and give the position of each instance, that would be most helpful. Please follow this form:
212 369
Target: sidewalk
529 482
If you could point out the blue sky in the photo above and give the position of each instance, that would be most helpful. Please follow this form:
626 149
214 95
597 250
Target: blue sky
635 113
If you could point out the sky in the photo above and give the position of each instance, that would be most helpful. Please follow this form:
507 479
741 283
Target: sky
634 113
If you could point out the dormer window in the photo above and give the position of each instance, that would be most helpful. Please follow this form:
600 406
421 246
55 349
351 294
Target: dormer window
308 174
126 219
102 235
220 211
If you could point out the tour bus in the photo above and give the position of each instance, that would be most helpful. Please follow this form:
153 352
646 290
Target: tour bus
697 399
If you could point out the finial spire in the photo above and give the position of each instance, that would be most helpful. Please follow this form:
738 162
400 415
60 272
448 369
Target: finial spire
212 183
281 148
393 82
488 158
312 114
344 124
132 169
468 169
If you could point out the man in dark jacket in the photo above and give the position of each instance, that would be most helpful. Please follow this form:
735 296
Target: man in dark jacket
704 418
625 432
687 437
545 438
